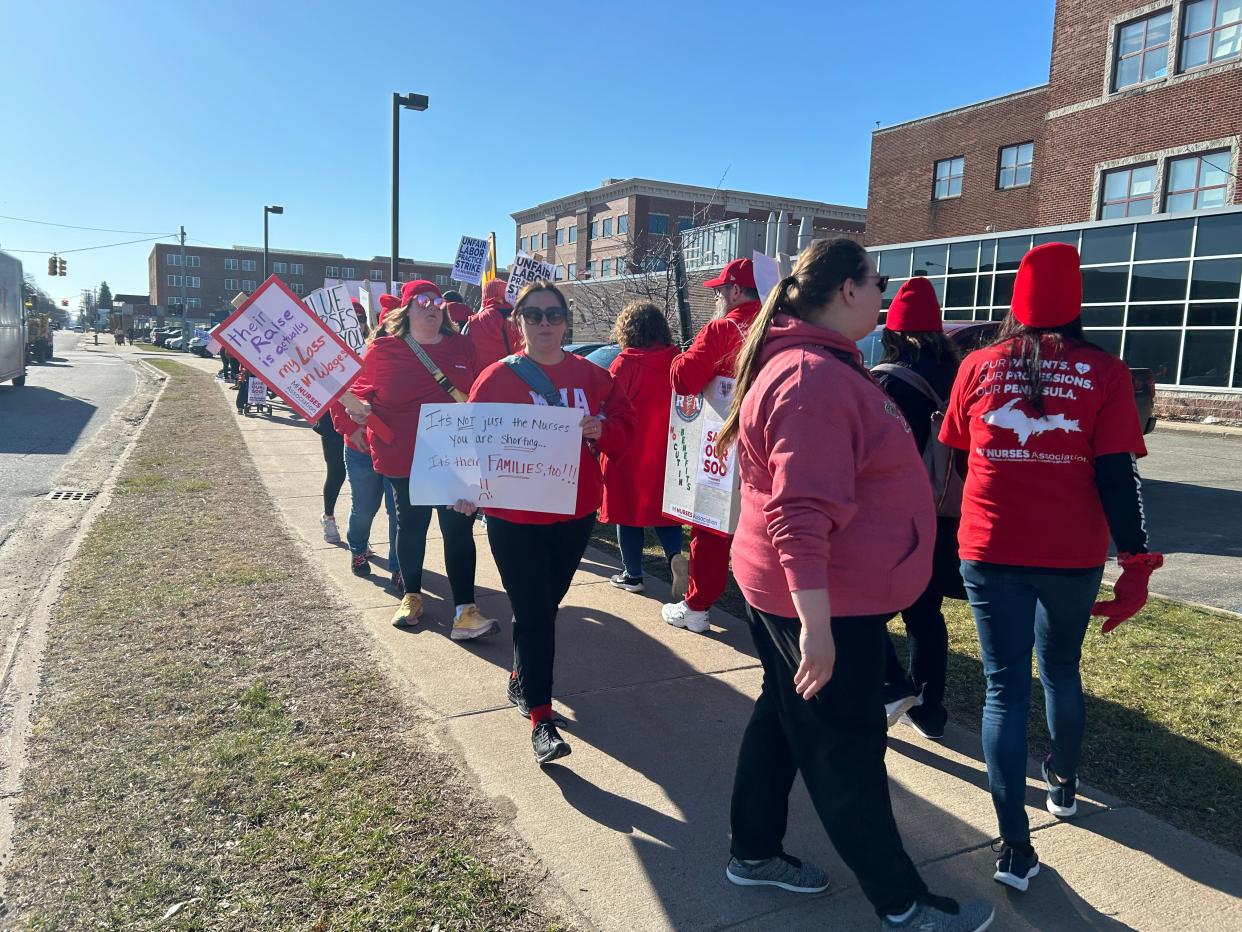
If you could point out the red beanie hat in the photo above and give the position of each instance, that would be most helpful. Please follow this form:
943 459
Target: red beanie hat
494 295
388 301
418 286
915 308
1048 289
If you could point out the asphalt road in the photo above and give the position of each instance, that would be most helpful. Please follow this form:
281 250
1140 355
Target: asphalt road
1192 490
41 424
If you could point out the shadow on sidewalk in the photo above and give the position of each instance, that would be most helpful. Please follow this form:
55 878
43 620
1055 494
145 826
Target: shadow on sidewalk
1194 518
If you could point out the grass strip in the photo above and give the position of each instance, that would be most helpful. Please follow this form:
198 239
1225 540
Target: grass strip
1164 714
213 747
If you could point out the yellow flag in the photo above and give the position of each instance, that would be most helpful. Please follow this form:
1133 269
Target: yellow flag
489 269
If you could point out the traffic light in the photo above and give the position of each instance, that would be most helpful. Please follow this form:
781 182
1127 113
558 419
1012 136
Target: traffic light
64 302
62 265
51 265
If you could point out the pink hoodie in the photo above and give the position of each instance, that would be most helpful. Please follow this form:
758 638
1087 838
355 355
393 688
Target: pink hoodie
834 494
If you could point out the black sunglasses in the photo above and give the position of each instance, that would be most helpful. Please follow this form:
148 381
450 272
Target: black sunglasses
881 282
534 315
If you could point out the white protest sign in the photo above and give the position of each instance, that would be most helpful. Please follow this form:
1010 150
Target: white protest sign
471 258
280 340
767 273
517 456
333 307
526 269
364 298
700 487
256 391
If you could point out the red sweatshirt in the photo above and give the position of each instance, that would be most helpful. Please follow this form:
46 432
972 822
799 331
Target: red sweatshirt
494 336
397 385
834 493
584 386
714 350
634 477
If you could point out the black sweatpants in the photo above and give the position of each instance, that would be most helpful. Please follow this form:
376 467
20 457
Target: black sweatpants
457 531
927 639
837 740
334 458
537 563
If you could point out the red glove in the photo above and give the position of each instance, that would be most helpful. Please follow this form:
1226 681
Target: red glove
1130 590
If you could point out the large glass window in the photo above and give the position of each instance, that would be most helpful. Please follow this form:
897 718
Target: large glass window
1197 181
1212 314
963 257
1159 281
1009 252
1015 166
960 291
1142 51
1109 340
1215 280
1105 283
1220 235
1128 192
1166 239
1111 315
1206 357
895 262
1156 315
930 259
1155 350
1107 244
1211 32
949 178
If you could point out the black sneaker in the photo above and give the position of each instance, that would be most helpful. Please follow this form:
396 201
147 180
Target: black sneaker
927 721
628 583
1061 802
547 742
359 565
1015 867
514 693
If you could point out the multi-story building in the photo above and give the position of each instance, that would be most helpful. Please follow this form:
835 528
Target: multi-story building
212 277
1130 151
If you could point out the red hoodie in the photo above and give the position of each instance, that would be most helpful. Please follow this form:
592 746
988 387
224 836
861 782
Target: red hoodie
714 350
834 493
457 312
397 385
494 336
634 477
585 386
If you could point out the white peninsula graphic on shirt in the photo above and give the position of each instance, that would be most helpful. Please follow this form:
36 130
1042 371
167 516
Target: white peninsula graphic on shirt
1025 426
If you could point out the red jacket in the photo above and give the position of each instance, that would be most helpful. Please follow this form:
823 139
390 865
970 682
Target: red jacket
634 477
585 386
714 350
494 336
834 493
458 313
397 385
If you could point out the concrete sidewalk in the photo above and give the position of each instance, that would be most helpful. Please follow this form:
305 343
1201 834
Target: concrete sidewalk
634 825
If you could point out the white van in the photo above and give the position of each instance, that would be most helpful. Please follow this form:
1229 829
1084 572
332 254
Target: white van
12 324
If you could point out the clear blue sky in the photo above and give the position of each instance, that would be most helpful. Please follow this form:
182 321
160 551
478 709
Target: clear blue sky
144 115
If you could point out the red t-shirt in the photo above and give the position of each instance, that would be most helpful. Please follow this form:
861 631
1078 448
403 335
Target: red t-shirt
590 389
1030 496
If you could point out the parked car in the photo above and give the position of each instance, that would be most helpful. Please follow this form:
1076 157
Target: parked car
174 343
198 346
970 335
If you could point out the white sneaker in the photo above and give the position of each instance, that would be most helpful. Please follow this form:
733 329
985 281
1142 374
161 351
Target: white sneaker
679 565
681 615
330 533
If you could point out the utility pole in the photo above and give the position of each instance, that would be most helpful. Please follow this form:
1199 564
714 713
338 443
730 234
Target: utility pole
185 309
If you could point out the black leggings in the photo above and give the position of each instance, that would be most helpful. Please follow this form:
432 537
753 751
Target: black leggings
537 563
457 531
334 458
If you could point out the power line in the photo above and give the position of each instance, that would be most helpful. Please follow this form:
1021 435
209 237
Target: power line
62 252
70 226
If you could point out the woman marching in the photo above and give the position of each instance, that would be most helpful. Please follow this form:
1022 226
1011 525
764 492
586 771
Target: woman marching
537 554
1053 433
421 360
634 477
834 536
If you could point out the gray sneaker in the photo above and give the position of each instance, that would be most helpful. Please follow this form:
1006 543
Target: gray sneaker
782 871
945 915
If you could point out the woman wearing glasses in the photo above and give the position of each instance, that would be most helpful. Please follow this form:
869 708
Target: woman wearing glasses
537 554
421 359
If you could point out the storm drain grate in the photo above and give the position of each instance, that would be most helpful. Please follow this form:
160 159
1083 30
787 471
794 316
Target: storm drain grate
71 495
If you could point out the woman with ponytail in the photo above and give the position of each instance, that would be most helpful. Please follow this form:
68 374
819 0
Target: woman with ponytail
835 536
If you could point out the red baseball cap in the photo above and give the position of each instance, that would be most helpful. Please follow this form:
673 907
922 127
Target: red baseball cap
740 272
1048 289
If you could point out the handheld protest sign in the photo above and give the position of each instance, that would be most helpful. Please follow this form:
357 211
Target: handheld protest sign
701 483
471 258
526 269
286 345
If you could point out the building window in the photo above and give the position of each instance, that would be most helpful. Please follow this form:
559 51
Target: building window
295 268
193 262
1015 166
174 300
193 281
1142 51
543 241
348 272
193 303
949 178
230 284
297 288
441 280
1211 32
280 268
684 223
249 265
606 268
623 224
606 227
248 284
560 236
376 275
592 229
657 224
1128 192
573 233
572 270
173 258
231 264
174 281
1197 181
560 272
332 271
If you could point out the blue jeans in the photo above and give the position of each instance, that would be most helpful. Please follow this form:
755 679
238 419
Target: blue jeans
1016 611
630 540
366 488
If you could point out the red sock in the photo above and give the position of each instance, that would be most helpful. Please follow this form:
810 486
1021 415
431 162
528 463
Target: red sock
539 713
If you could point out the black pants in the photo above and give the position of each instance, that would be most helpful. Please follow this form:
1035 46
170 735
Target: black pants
537 563
837 741
334 458
928 641
457 531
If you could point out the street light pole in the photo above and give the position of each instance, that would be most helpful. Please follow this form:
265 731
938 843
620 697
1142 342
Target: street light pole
409 102
273 209
185 308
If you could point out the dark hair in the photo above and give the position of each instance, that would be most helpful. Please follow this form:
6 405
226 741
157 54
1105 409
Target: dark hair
454 296
823 267
641 324
910 346
749 293
1029 345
